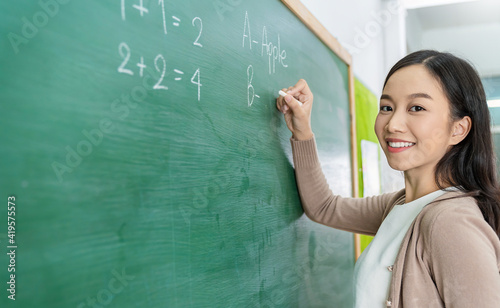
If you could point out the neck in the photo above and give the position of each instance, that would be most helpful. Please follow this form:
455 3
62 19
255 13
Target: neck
418 185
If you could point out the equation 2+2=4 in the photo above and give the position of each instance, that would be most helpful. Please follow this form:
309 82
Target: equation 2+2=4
159 62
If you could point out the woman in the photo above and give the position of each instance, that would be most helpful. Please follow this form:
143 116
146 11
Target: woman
436 241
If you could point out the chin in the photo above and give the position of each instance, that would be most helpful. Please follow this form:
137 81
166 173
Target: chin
398 167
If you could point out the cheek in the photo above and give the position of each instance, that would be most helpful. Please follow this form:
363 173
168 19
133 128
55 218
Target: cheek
434 130
432 136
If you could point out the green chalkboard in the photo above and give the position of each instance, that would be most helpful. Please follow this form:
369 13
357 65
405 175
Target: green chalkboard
148 165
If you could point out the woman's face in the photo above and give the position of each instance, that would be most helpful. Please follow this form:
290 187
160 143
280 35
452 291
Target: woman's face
413 125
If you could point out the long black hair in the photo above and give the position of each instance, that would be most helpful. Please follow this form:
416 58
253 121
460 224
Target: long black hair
470 164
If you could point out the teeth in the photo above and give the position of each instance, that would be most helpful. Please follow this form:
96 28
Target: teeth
400 144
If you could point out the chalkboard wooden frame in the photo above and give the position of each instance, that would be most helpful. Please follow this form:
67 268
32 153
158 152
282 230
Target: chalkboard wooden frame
322 33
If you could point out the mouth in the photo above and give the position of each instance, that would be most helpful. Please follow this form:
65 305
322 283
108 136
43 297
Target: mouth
396 146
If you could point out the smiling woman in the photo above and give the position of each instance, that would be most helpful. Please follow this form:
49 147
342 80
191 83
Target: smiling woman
439 236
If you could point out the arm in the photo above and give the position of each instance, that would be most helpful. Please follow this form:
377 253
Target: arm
463 253
321 205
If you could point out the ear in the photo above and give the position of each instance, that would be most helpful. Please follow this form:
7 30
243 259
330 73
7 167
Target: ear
460 130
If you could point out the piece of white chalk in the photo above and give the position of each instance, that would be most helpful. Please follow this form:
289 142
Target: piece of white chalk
282 93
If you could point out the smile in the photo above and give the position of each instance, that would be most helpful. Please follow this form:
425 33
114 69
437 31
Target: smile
396 147
400 144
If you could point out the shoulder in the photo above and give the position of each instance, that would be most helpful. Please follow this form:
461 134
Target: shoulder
450 206
460 251
454 219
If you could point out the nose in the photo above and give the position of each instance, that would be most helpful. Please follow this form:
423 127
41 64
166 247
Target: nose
396 123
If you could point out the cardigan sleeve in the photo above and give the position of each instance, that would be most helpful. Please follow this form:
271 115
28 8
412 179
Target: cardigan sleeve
360 215
463 253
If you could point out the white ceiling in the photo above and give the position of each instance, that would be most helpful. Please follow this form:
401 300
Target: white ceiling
458 14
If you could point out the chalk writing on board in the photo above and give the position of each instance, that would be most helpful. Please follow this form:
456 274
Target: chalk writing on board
162 3
196 43
141 66
250 88
126 57
127 65
180 73
160 64
197 81
177 21
140 7
273 52
158 85
196 22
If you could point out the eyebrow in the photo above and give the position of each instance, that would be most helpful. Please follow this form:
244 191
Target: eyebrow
411 96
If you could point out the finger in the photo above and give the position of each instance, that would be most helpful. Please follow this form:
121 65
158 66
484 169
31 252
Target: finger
304 95
300 87
292 103
304 99
292 92
301 92
281 105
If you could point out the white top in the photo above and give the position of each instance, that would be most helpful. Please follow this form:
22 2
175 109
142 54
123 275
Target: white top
372 273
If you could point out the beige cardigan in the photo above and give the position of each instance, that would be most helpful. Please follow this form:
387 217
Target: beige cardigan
450 256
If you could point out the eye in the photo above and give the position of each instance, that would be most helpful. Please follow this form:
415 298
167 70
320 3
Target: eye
385 108
417 108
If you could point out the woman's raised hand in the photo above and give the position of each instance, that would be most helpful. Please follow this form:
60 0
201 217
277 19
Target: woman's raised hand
297 116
